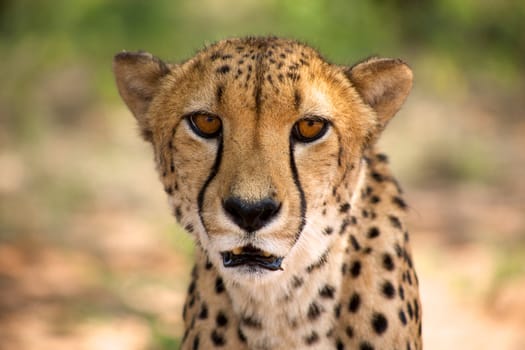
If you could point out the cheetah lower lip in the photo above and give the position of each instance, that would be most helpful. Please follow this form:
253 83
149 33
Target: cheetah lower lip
251 256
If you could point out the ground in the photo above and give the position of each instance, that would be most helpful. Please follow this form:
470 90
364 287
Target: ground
90 257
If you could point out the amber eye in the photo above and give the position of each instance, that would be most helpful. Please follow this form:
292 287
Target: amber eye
309 129
205 125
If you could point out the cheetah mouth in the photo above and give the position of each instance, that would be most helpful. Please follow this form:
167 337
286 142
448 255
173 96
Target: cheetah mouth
251 256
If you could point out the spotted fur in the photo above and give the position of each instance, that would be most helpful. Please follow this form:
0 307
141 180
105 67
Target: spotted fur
347 279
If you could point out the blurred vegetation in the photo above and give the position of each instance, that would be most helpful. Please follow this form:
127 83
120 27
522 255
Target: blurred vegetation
458 45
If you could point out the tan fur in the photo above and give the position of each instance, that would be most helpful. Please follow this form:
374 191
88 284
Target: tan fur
351 239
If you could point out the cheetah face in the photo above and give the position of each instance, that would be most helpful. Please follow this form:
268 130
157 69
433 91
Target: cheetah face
258 144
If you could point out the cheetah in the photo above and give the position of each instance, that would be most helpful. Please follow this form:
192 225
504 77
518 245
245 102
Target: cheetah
267 153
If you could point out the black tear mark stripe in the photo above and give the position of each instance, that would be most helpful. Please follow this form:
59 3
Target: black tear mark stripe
297 182
340 152
213 173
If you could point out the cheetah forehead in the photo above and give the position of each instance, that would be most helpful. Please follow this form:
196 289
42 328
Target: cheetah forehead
263 72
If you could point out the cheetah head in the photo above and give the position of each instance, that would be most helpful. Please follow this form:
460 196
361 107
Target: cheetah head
258 143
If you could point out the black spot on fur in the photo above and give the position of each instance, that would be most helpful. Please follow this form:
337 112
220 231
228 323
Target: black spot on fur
297 281
251 322
377 177
354 303
196 342
344 269
219 285
327 292
410 311
339 345
355 243
344 226
409 279
399 202
221 320
349 332
373 232
398 249
337 310
203 314
217 338
312 338
293 76
365 346
379 323
344 207
328 230
394 220
355 270
388 290
402 317
388 262
208 265
191 287
178 213
314 311
223 69
375 199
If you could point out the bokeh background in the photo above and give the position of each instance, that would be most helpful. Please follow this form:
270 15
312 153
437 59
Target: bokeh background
90 257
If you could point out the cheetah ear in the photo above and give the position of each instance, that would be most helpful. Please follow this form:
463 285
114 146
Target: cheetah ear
383 84
138 76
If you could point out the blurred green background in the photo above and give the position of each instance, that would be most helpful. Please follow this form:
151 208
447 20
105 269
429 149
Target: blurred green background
90 257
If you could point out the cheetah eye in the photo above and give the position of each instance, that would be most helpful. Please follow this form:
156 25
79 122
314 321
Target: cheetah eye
205 125
309 129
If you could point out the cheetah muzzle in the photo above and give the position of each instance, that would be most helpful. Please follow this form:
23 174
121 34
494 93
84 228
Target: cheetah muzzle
267 153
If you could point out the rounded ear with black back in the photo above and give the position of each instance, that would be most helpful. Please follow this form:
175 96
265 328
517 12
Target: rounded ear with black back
383 84
138 76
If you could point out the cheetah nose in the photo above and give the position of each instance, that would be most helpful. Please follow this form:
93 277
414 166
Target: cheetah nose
251 216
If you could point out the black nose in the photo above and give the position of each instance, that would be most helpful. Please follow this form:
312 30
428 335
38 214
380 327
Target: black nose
251 216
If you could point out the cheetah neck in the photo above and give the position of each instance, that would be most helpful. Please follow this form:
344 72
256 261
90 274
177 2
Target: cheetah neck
300 307
295 309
